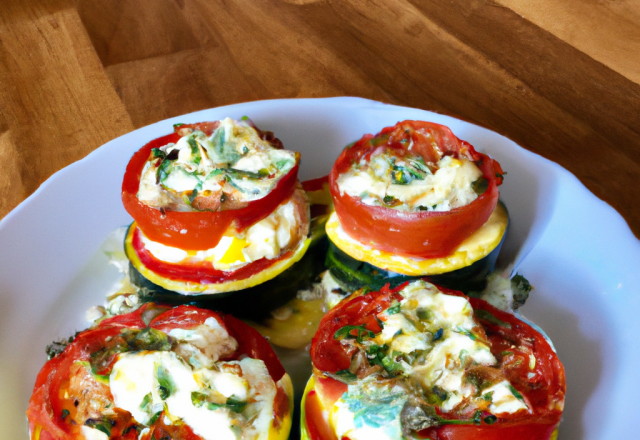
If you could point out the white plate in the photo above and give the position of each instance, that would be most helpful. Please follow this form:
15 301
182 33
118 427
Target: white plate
577 251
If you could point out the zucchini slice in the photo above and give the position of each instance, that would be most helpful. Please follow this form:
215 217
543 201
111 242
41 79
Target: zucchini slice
254 302
355 265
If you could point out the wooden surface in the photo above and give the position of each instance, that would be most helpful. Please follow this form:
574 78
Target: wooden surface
559 77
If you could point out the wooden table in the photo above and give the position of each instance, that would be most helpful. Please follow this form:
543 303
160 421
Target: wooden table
559 77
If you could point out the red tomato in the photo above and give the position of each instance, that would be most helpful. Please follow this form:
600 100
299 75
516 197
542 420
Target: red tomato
512 342
197 230
317 427
328 354
56 404
202 273
426 234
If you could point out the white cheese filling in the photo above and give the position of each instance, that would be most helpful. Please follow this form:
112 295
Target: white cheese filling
145 383
451 186
436 330
232 163
265 239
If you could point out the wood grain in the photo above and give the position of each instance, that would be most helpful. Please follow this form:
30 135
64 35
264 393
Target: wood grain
560 78
56 101
608 31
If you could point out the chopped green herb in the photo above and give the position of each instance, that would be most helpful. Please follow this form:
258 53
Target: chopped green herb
440 393
362 333
424 314
466 333
65 414
490 420
388 199
391 366
345 375
437 335
146 400
394 309
477 417
193 195
194 145
166 384
488 316
154 418
150 339
488 396
506 353
235 405
164 169
198 399
516 393
103 425
375 354
157 152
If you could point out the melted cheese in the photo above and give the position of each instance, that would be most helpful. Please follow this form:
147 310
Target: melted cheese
436 331
234 162
386 181
137 378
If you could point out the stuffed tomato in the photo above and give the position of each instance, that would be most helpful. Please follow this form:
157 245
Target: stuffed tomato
414 200
217 207
420 361
181 373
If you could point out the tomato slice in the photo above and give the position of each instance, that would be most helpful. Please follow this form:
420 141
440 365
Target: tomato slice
427 234
512 341
52 407
328 354
197 230
202 273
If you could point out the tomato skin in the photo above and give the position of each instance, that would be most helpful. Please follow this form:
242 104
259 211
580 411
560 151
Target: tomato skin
330 355
426 234
543 386
203 229
45 411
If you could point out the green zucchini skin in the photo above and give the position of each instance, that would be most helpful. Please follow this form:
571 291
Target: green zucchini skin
353 275
254 303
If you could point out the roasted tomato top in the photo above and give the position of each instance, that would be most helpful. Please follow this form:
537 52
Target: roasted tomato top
187 188
184 372
414 189
429 362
